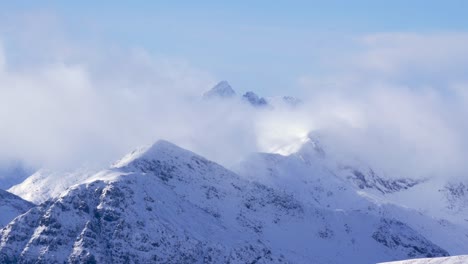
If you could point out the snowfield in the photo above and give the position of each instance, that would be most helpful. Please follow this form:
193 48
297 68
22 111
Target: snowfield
447 260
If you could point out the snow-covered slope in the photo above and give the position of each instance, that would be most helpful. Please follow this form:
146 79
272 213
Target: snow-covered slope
447 260
166 204
45 184
316 178
11 206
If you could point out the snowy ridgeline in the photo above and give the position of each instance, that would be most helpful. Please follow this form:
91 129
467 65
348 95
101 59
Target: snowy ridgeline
165 204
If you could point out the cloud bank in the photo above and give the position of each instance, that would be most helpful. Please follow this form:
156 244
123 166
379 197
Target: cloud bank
398 101
395 100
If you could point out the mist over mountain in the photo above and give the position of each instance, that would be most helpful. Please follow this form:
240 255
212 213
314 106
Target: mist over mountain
233 132
13 172
295 175
93 109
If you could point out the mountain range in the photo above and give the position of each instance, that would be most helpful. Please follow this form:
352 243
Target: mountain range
166 204
223 90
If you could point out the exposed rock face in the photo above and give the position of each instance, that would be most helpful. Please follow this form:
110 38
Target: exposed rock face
397 235
370 180
254 99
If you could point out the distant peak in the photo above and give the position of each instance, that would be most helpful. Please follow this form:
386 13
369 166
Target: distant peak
223 89
254 99
223 83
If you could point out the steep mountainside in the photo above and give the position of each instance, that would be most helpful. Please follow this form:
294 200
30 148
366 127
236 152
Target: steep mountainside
165 204
316 178
11 206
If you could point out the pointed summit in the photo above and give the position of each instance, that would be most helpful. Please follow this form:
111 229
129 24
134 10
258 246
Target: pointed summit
222 90
161 150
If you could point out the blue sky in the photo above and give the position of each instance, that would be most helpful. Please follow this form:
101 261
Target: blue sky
256 45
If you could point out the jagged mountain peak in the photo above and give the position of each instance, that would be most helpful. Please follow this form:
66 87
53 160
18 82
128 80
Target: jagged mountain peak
254 99
222 89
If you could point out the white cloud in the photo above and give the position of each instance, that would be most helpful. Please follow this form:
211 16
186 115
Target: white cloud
396 100
399 100
60 114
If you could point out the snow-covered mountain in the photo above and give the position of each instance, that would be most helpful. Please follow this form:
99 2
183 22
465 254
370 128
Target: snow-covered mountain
223 90
446 260
45 184
431 208
166 204
11 206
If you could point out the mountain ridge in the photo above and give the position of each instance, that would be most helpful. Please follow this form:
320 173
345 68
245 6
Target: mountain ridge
167 203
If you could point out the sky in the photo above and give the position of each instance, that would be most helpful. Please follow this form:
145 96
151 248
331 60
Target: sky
244 42
85 83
